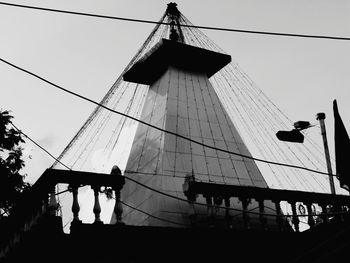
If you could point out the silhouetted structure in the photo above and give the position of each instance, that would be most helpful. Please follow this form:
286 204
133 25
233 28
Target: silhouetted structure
178 199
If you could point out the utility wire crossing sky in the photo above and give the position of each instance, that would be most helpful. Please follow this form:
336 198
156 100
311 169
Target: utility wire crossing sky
157 128
236 50
163 23
303 72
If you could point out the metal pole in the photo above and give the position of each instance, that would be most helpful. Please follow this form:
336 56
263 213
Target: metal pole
321 116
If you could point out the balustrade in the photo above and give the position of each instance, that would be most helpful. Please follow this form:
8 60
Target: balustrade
334 207
41 201
115 180
76 179
256 204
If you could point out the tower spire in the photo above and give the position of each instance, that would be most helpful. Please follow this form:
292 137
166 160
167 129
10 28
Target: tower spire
182 101
174 16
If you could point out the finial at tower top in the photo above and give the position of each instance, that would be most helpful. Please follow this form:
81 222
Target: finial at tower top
175 28
172 10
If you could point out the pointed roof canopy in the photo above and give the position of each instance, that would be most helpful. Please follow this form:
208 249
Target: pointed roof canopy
154 63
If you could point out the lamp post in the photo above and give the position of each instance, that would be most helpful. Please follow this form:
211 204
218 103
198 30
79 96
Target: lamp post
296 136
321 116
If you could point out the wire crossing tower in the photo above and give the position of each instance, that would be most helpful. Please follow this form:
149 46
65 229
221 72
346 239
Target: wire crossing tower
181 100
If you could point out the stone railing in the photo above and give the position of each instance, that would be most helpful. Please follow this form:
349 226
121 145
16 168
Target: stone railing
40 201
77 179
335 208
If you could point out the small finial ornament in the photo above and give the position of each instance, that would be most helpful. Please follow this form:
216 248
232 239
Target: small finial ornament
172 10
116 171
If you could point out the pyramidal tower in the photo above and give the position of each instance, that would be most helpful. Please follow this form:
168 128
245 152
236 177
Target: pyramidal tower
181 103
172 121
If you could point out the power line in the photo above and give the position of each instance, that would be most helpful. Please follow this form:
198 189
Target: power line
153 216
176 223
184 200
135 181
175 197
69 221
181 199
231 208
42 148
160 129
183 25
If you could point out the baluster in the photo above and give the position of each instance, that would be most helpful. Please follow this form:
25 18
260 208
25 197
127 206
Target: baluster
191 197
192 211
246 220
324 215
217 202
209 202
295 218
210 209
346 213
338 216
227 211
279 215
118 207
310 217
97 206
75 205
262 218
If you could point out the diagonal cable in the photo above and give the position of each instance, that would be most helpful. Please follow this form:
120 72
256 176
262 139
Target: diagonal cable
160 129
164 23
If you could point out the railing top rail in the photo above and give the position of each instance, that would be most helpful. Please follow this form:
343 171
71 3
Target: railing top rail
56 176
195 187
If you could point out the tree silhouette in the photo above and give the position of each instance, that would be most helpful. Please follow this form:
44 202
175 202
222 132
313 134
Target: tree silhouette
12 183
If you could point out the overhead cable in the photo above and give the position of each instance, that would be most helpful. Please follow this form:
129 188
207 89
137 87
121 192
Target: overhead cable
231 208
64 191
153 216
42 148
178 198
182 25
128 178
160 129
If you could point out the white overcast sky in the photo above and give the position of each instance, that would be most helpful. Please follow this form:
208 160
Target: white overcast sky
86 55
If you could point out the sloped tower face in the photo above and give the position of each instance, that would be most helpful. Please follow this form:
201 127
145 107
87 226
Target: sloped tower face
182 102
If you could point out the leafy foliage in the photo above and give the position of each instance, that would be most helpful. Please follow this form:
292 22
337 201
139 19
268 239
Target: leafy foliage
12 183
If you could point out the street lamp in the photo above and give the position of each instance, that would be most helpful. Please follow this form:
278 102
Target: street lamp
296 136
